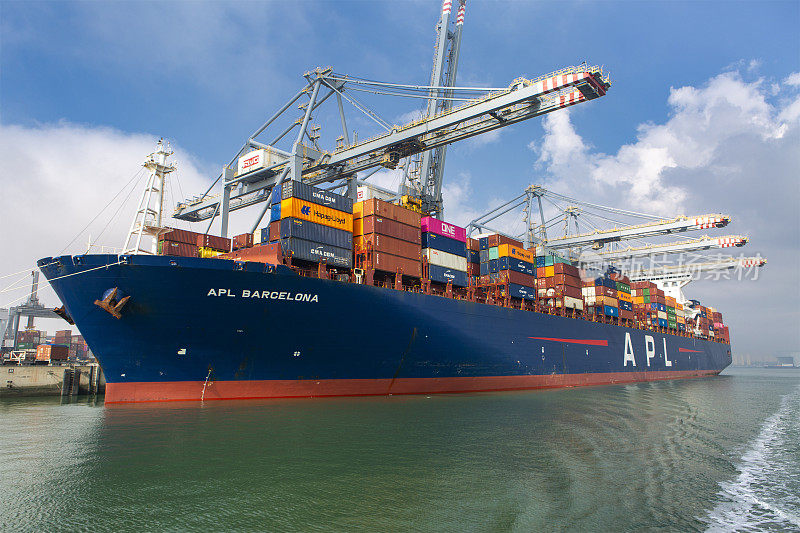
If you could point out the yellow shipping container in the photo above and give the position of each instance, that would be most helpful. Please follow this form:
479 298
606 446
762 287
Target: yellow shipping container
297 208
550 271
678 306
638 300
681 320
624 297
509 250
208 253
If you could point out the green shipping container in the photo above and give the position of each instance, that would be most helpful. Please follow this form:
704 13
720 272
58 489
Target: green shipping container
646 298
548 260
646 291
623 287
494 253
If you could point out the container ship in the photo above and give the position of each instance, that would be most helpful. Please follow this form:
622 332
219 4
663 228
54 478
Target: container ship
369 292
338 298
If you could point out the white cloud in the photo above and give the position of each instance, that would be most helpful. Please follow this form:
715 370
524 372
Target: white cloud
55 178
793 79
703 121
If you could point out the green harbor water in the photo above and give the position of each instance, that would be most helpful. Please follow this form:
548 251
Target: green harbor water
714 454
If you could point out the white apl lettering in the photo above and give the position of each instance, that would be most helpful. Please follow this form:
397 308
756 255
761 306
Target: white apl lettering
666 358
649 347
628 351
267 295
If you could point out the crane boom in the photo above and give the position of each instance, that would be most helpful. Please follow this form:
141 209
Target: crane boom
649 229
690 245
522 100
669 272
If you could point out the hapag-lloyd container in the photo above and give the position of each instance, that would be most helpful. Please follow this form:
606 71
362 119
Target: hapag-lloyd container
436 257
444 244
297 208
442 274
433 225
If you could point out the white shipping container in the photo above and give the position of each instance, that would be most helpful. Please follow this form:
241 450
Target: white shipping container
365 192
573 303
443 259
662 315
256 160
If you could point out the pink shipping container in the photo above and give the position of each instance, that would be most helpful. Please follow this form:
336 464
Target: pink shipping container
444 229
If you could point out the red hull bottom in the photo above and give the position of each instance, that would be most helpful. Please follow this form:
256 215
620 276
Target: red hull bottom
242 390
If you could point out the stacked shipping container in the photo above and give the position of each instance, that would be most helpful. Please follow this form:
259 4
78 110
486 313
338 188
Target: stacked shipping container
445 248
387 237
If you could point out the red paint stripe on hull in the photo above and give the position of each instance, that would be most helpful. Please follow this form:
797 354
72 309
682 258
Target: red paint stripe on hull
240 390
688 350
589 342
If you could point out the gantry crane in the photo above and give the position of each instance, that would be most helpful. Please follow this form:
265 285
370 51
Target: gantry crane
427 186
690 245
673 278
481 110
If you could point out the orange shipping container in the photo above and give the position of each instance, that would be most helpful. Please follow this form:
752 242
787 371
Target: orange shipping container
509 250
296 208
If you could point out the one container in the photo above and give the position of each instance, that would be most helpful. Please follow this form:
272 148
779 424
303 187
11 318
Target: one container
518 265
386 226
318 252
438 227
444 244
309 193
311 231
521 291
442 274
439 258
304 210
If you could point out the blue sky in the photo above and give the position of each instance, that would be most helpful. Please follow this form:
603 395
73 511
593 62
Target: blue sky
91 83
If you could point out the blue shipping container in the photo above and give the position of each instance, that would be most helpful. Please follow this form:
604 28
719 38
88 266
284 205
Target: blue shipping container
627 306
311 231
662 322
316 252
517 265
473 256
539 261
264 236
309 193
444 244
275 213
521 291
484 269
483 243
662 307
610 311
484 256
443 275
493 267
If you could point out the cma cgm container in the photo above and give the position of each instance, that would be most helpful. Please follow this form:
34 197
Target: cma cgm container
309 193
317 252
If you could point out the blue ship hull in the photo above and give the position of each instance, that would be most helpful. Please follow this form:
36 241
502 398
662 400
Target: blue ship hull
214 329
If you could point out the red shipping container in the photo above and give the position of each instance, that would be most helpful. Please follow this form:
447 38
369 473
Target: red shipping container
497 239
388 227
389 245
564 279
518 278
179 249
245 240
562 268
627 315
473 269
568 290
473 244
215 242
390 263
50 352
608 291
265 253
275 230
383 209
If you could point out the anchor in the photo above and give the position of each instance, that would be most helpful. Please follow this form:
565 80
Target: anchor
110 304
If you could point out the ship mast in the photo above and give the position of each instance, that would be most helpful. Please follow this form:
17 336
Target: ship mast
147 223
